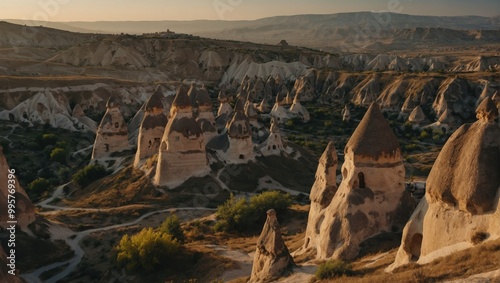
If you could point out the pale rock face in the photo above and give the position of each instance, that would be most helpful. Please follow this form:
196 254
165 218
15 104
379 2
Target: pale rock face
280 113
346 114
461 207
182 151
241 148
88 123
25 211
272 259
274 144
251 113
371 197
224 108
417 116
298 110
151 129
322 192
112 134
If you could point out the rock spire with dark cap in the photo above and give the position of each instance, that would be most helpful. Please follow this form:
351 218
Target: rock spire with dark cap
272 259
373 137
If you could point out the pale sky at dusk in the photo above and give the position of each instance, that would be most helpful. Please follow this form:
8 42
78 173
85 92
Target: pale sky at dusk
111 10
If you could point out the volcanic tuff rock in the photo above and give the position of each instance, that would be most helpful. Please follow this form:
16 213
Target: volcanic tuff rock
371 198
322 192
151 129
461 207
25 211
274 144
182 151
112 134
272 259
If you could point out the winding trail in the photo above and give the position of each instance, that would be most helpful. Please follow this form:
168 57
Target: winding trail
73 239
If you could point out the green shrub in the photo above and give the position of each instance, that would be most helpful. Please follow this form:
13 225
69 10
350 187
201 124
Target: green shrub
46 139
59 155
271 200
147 250
332 269
39 186
242 215
424 135
172 226
234 215
89 174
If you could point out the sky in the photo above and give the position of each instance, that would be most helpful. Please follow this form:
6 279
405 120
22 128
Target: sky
112 10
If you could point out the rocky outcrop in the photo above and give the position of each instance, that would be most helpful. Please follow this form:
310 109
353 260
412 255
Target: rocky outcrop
241 149
371 198
224 107
322 192
461 207
25 211
182 151
205 116
299 111
112 134
346 114
417 116
274 143
86 122
5 276
272 259
151 129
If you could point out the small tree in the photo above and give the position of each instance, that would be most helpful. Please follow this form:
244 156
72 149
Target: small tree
39 186
89 174
146 250
59 155
172 226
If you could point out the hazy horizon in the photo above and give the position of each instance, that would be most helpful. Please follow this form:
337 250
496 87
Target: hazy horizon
178 10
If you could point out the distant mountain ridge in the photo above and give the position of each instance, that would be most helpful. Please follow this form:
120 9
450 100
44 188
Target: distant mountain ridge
359 31
306 21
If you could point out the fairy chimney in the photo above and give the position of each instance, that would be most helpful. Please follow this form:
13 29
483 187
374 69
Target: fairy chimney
417 116
298 110
461 205
182 151
274 143
322 192
151 129
224 107
25 211
205 118
272 259
240 138
346 114
371 198
112 134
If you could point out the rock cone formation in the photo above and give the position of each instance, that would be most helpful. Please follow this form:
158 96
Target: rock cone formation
322 192
25 211
240 138
274 144
461 207
272 259
182 151
151 129
371 198
417 116
112 134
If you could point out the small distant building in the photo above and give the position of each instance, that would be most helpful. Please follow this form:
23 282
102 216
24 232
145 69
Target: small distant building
283 43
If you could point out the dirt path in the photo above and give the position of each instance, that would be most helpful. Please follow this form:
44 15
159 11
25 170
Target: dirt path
73 239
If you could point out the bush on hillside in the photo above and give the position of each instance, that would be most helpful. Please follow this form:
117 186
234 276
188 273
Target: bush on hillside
89 174
172 226
332 269
242 215
147 250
